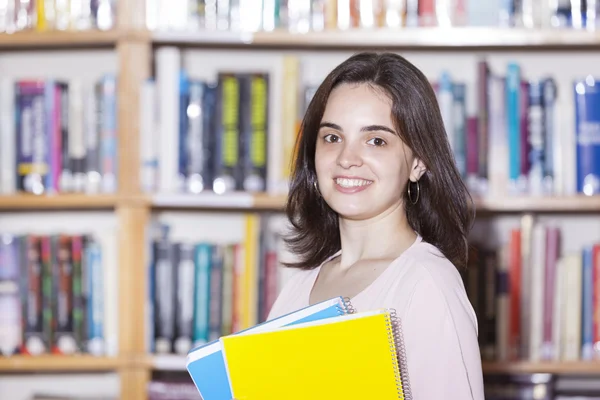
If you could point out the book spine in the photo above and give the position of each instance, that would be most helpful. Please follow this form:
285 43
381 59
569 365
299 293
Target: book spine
65 180
93 113
48 294
524 136
216 289
183 131
459 120
513 124
52 136
596 299
552 257
32 149
95 305
78 292
107 89
10 312
400 360
227 135
483 75
164 296
148 136
64 338
8 138
587 131
185 300
196 175
515 285
551 138
587 305
536 138
32 280
202 293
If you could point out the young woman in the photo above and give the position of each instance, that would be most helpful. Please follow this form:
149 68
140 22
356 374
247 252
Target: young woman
380 215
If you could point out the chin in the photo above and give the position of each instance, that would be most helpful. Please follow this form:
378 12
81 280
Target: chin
360 208
354 211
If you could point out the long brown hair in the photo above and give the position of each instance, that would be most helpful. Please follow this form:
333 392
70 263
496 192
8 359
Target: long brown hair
442 215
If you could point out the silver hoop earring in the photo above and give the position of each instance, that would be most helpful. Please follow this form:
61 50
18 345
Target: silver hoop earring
413 202
316 188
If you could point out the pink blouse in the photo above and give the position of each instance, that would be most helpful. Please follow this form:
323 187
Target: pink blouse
439 325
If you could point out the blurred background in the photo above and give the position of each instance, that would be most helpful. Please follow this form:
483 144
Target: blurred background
144 158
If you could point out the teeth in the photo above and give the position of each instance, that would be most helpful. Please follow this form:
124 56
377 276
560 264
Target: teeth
351 182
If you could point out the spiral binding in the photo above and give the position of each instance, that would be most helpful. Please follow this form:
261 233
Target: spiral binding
346 307
398 355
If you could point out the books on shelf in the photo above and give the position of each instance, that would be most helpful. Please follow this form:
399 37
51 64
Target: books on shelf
201 290
295 355
43 16
535 302
58 295
300 16
58 136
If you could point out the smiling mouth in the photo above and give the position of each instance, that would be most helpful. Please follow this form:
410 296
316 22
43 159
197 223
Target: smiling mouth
352 183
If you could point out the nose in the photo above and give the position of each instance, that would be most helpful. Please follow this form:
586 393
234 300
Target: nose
349 156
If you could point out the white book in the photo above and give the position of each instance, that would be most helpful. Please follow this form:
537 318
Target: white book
536 289
77 150
498 138
8 146
559 309
148 136
572 315
503 308
110 271
168 67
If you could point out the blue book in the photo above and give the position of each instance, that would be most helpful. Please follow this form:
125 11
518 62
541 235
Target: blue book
587 135
206 364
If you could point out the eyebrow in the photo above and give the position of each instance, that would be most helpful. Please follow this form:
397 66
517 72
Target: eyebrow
368 128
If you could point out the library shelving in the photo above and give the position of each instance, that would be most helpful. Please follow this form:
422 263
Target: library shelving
561 368
55 363
419 38
134 46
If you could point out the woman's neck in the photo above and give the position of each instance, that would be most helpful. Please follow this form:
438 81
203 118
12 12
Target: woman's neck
385 236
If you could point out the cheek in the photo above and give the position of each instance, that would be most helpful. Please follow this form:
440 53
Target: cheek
389 170
323 159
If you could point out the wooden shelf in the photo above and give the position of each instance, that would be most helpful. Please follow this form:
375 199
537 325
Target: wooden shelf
64 201
169 362
266 202
59 39
57 363
211 201
422 38
566 204
524 367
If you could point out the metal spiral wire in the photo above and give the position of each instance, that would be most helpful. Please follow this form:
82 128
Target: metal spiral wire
399 360
348 307
345 307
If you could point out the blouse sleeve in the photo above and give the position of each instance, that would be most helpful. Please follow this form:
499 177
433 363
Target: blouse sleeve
441 345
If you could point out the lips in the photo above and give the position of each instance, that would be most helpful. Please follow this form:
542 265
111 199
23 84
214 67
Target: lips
350 184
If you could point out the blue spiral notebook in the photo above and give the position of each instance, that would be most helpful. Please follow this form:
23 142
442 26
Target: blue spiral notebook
206 364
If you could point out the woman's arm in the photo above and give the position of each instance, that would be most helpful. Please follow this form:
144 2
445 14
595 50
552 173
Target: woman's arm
441 344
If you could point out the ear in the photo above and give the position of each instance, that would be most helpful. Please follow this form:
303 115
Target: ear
417 170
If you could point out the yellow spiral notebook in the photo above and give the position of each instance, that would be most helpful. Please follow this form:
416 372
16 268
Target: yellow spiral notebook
356 356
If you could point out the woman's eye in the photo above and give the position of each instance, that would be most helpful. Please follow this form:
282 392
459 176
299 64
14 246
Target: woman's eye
331 138
377 142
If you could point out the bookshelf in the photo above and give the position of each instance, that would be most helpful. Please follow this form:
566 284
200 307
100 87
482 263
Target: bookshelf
561 368
135 47
53 363
465 39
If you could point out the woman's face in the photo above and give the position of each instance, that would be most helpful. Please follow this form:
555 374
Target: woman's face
362 164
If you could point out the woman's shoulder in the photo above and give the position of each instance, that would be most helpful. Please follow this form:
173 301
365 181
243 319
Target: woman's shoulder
433 275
